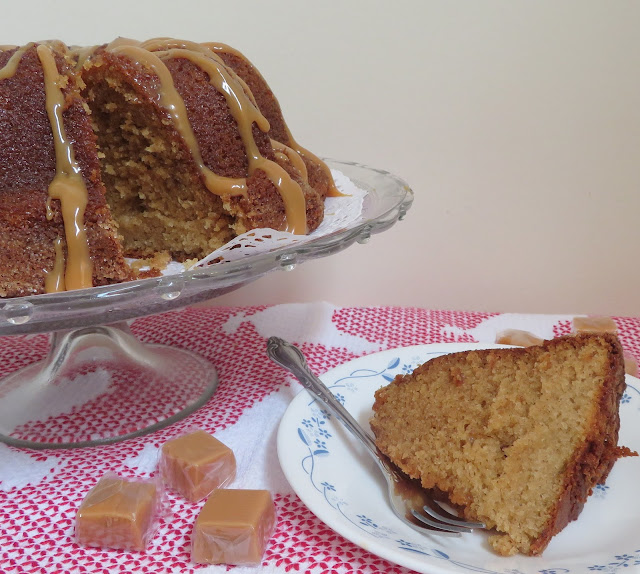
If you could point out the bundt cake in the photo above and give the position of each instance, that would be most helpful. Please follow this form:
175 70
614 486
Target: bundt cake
517 438
132 149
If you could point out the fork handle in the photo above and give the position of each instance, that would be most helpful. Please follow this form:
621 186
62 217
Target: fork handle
291 358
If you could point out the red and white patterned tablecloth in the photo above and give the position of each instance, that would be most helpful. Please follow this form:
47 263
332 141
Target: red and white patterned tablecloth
40 490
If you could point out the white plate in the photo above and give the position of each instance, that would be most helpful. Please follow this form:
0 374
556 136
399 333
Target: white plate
339 482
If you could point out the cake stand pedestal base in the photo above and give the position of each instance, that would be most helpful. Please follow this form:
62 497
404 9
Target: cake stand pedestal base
100 385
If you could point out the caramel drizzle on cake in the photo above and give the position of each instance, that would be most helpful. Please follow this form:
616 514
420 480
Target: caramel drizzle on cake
67 186
292 156
10 68
152 55
292 143
81 54
171 101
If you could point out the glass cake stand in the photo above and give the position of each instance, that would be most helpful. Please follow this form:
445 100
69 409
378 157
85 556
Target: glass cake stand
95 365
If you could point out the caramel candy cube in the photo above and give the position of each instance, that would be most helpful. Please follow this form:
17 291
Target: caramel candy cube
118 513
233 527
594 325
518 337
194 464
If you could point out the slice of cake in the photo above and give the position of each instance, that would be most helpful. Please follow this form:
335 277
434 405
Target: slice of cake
517 438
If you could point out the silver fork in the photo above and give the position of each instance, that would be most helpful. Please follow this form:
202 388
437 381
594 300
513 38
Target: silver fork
409 501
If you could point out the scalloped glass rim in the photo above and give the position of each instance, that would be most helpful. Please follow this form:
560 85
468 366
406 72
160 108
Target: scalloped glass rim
388 199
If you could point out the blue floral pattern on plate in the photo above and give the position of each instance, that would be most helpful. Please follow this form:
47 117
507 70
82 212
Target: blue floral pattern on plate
319 451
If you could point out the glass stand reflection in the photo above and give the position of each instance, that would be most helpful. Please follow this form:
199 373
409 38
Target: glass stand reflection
100 385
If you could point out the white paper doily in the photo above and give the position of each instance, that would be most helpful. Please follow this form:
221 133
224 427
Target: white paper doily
339 212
